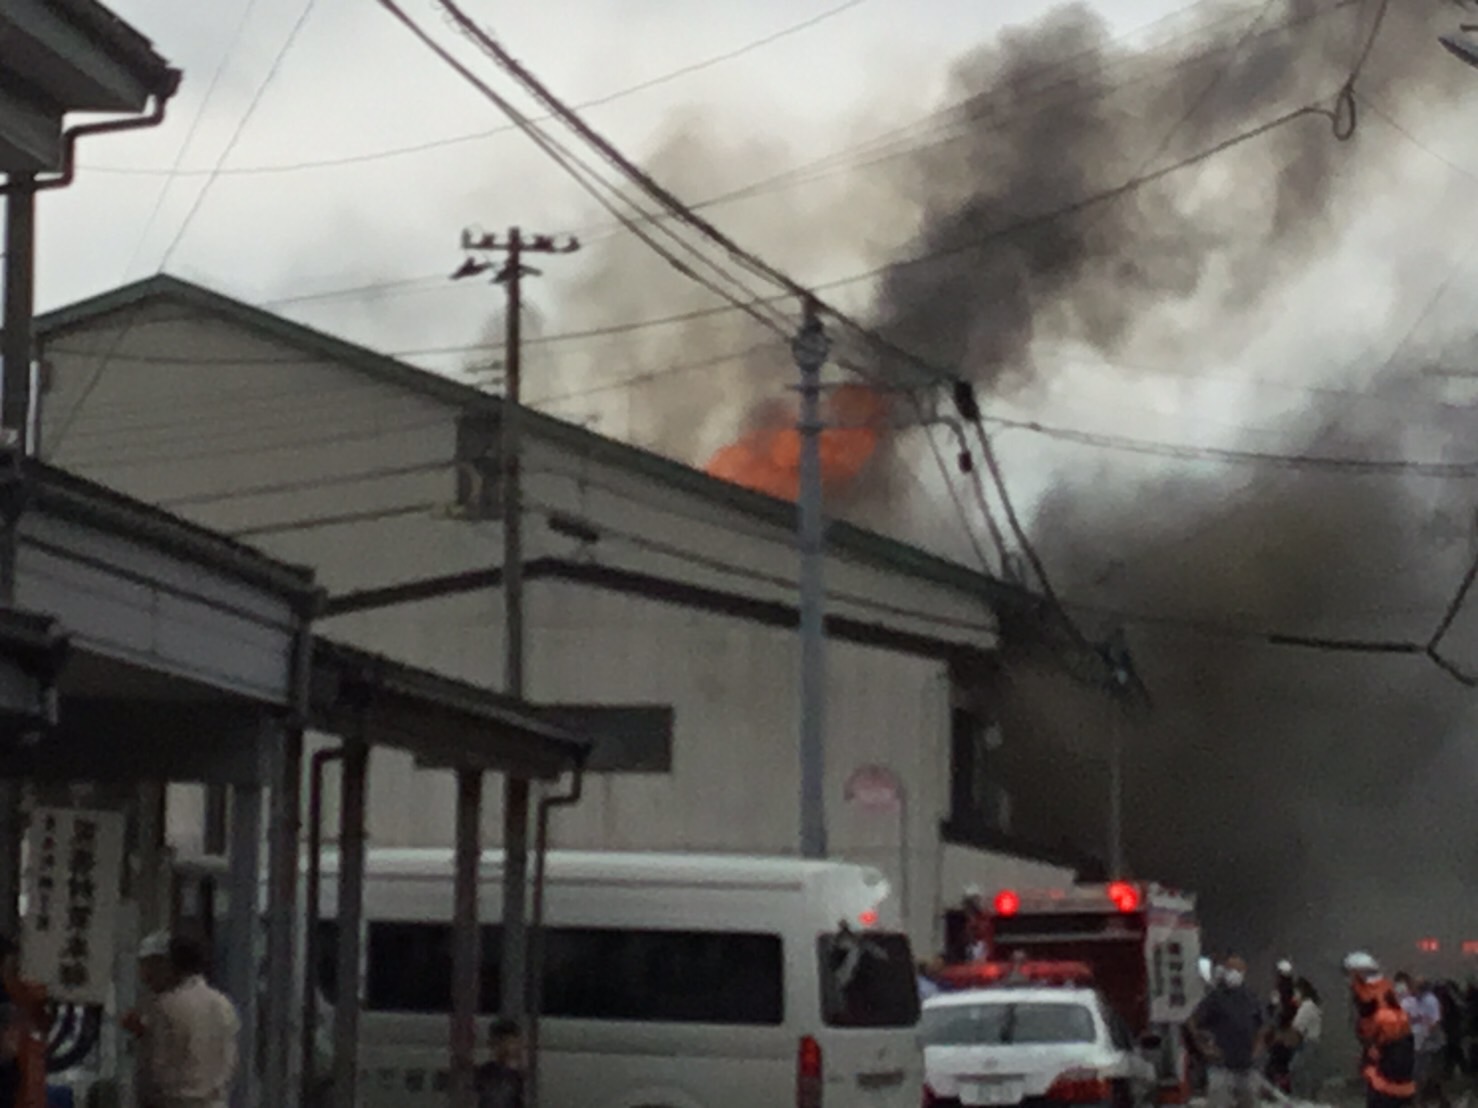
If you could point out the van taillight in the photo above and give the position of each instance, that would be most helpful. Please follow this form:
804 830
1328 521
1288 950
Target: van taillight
1080 1087
808 1074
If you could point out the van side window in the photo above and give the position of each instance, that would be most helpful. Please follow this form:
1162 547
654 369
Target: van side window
410 968
714 977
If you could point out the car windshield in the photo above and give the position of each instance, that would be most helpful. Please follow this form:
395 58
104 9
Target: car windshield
867 980
1006 1024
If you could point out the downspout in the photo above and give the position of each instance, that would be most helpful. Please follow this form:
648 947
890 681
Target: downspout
536 927
160 100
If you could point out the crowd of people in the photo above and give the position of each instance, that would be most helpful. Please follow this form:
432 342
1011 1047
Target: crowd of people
1238 1040
1416 1036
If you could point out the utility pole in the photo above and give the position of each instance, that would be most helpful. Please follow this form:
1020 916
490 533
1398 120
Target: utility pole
20 273
15 420
514 963
1121 675
810 348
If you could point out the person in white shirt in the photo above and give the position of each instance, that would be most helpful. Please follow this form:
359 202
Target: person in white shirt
187 1030
1306 1030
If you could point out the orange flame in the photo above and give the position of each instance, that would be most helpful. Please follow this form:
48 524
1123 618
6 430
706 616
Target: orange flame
768 460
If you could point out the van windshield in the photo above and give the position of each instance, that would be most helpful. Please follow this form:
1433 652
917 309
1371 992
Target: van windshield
867 980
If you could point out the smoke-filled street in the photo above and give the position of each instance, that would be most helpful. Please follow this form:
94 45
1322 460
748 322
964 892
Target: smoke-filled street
659 555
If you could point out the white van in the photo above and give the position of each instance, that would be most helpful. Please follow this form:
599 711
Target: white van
671 981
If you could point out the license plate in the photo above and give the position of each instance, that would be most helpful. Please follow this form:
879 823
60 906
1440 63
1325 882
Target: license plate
990 1093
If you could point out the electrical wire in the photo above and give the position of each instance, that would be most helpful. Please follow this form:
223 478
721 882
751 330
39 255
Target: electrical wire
1348 465
60 434
757 266
185 144
958 120
581 174
599 101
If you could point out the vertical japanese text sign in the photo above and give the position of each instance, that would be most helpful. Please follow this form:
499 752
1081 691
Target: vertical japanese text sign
72 885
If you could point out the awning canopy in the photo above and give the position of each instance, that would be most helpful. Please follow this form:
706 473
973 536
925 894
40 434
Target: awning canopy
444 722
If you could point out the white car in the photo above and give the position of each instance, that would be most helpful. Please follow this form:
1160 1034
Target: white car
1039 1046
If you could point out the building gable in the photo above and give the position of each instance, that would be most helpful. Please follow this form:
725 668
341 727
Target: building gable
845 540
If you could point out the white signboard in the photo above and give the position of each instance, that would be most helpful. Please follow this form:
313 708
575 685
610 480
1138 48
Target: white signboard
75 865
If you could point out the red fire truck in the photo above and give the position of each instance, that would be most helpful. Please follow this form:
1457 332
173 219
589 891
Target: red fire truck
1139 944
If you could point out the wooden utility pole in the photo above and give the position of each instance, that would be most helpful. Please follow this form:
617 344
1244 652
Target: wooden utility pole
466 952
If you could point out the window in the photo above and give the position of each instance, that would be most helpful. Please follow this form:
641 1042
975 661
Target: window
1007 1024
977 800
964 1025
716 977
711 977
867 980
1052 1023
410 968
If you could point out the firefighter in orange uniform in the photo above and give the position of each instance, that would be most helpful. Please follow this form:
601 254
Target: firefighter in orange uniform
1388 1061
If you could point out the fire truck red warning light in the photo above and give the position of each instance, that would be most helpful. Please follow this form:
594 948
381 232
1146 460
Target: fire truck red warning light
1007 903
1124 895
1428 946
1470 946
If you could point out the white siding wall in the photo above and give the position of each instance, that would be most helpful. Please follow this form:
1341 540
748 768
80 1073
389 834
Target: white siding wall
248 435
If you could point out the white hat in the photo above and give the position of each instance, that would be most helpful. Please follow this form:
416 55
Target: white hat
1361 963
1285 967
155 946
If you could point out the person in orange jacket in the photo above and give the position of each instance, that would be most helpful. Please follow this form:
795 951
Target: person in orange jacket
1388 1048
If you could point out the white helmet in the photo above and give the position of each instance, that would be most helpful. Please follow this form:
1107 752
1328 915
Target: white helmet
1285 968
1362 963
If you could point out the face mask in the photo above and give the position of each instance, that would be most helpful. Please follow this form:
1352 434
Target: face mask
1234 979
1402 991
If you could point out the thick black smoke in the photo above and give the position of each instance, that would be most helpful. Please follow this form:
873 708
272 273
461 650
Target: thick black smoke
1316 799
1058 112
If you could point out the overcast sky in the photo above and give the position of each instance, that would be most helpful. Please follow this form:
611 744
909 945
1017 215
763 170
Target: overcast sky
362 158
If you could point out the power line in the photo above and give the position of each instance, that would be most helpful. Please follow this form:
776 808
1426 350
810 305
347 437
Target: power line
747 258
587 179
215 77
419 148
1349 465
798 174
649 185
174 243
